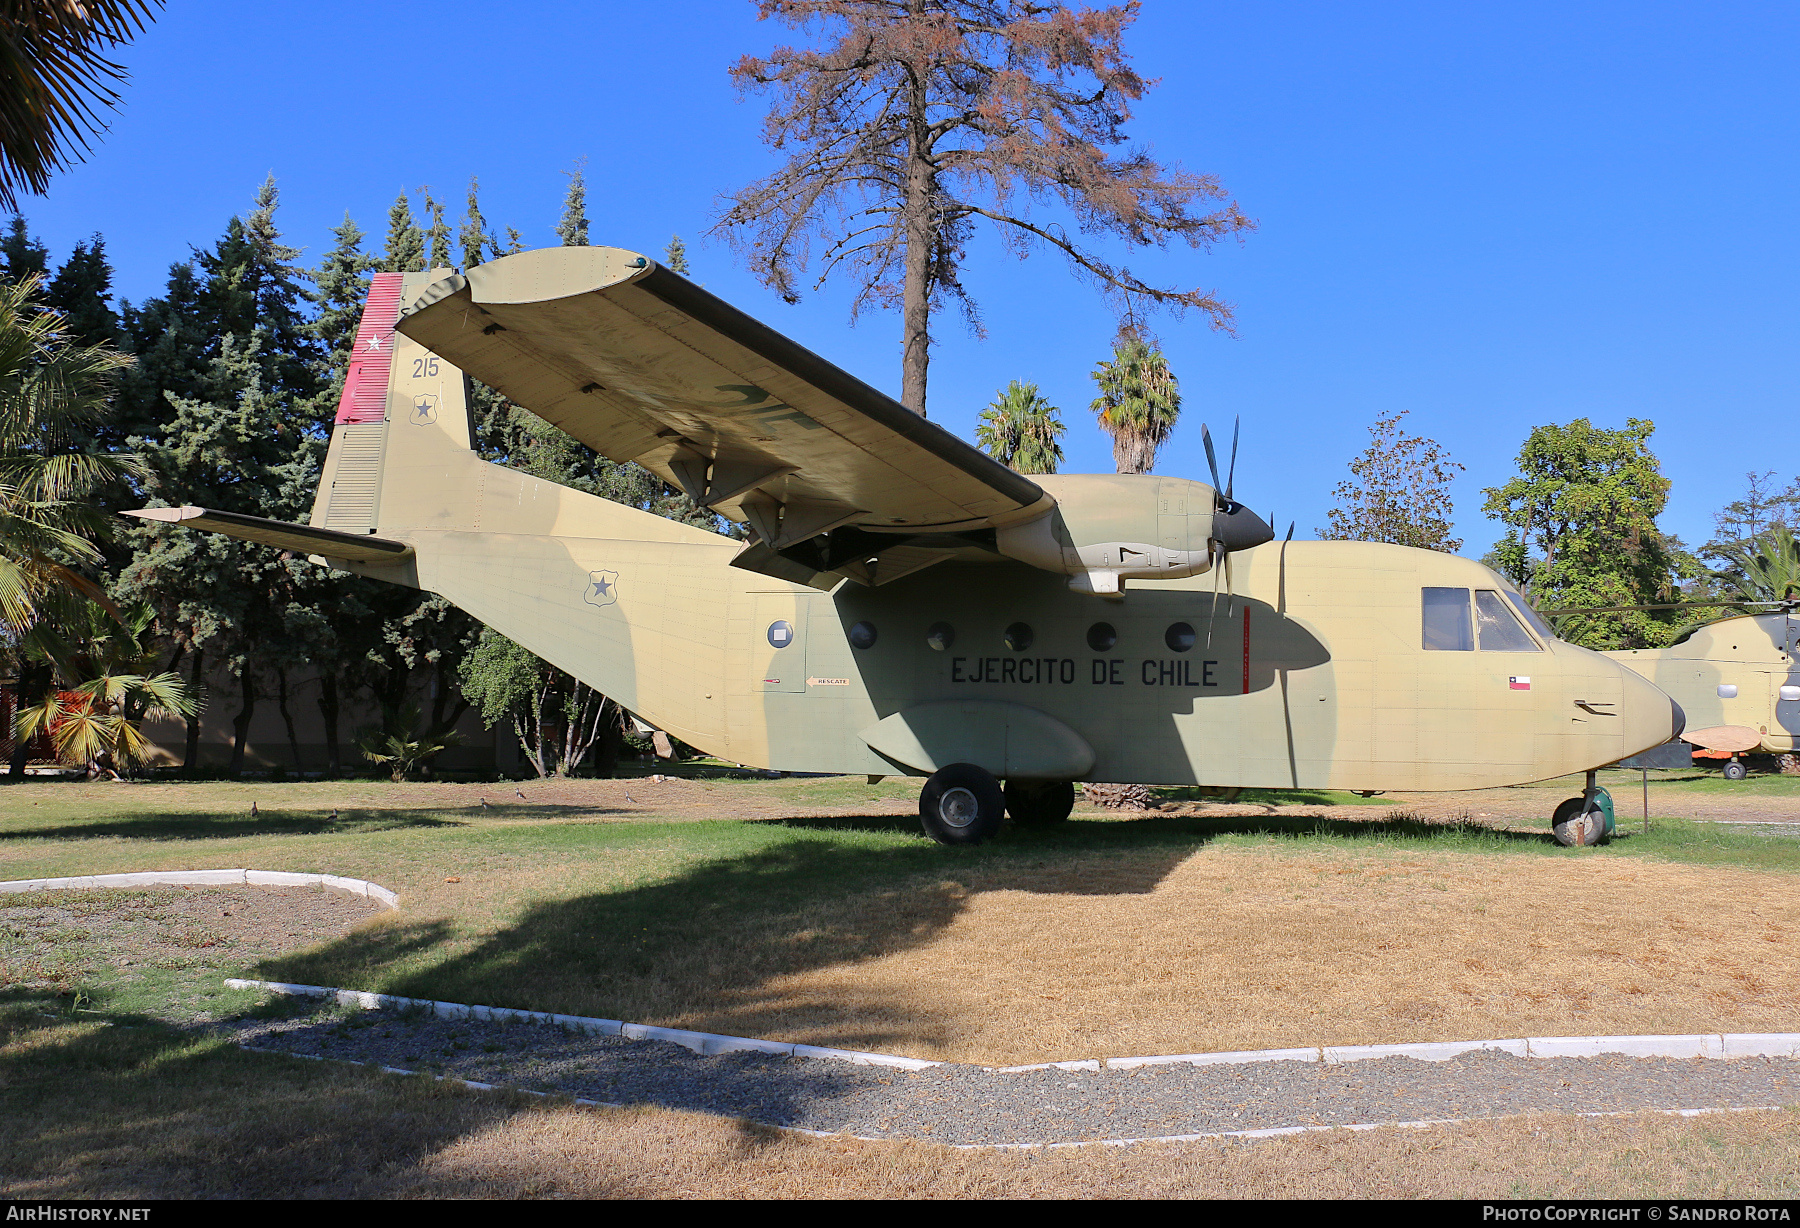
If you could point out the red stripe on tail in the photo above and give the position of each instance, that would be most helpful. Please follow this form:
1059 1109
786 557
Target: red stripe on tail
366 386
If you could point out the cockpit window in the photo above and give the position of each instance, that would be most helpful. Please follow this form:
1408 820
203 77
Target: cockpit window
1499 629
1446 624
1530 616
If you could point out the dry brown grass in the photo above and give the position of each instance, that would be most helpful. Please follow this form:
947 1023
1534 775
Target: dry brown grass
91 1112
1238 948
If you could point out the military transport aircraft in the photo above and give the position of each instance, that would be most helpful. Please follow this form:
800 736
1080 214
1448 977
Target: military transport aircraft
906 604
1738 679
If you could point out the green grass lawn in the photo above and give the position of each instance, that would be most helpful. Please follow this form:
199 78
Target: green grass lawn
564 908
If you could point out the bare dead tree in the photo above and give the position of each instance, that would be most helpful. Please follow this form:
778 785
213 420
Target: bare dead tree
926 117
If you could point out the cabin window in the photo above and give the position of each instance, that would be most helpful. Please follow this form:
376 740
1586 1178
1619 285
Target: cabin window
862 635
1789 694
940 636
1728 690
781 633
1447 620
1101 637
1499 629
1530 616
1179 637
1019 637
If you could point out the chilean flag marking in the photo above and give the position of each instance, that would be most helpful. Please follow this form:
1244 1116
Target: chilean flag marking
1520 683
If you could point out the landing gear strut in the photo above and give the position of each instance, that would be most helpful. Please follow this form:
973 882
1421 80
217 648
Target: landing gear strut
1584 820
961 804
1039 803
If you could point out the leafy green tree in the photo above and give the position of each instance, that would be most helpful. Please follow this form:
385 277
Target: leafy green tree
1139 401
1400 495
405 249
1581 531
572 228
556 718
1020 429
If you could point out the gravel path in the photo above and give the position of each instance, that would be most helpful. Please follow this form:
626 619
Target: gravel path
969 1104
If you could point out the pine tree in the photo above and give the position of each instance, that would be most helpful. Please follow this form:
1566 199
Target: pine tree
473 233
249 440
21 256
405 250
438 233
573 228
676 256
82 291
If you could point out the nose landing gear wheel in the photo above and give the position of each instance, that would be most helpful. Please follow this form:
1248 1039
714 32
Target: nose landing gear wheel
961 804
1039 803
1734 770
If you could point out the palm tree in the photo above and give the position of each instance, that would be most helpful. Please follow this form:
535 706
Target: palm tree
1766 568
112 689
1020 429
51 393
1138 403
53 81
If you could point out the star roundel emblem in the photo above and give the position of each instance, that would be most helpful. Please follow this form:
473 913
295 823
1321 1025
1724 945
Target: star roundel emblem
602 588
424 410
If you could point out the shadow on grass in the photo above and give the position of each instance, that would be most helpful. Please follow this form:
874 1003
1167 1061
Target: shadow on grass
223 825
704 944
155 1112
716 945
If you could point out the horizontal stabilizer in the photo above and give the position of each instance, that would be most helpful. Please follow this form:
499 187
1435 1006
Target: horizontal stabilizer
301 538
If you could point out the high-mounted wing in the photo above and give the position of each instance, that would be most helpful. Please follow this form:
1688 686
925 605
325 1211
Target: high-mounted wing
640 364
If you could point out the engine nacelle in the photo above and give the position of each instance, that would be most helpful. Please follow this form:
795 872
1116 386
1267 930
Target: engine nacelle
1110 527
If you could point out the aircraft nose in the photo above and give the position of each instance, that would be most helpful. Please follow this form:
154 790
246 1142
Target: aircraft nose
1238 528
1651 717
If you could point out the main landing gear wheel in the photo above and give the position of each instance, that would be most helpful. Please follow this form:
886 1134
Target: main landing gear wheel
961 804
1734 770
1576 824
1039 803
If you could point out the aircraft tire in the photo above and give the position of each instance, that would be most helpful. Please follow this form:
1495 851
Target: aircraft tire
1039 803
1575 826
1733 770
961 804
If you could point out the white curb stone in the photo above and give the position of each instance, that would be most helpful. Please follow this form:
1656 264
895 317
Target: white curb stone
1710 1045
1765 1044
1423 1053
1630 1046
204 878
1216 1059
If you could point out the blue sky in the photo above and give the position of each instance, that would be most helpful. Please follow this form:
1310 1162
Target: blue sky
1490 215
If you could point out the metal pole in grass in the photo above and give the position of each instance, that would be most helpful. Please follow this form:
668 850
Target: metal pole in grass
1646 772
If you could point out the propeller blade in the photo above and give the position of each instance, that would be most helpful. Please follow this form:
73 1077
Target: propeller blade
1231 471
1213 551
1212 462
1290 532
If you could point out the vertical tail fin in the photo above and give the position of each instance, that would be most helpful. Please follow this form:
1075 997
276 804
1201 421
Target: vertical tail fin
397 396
